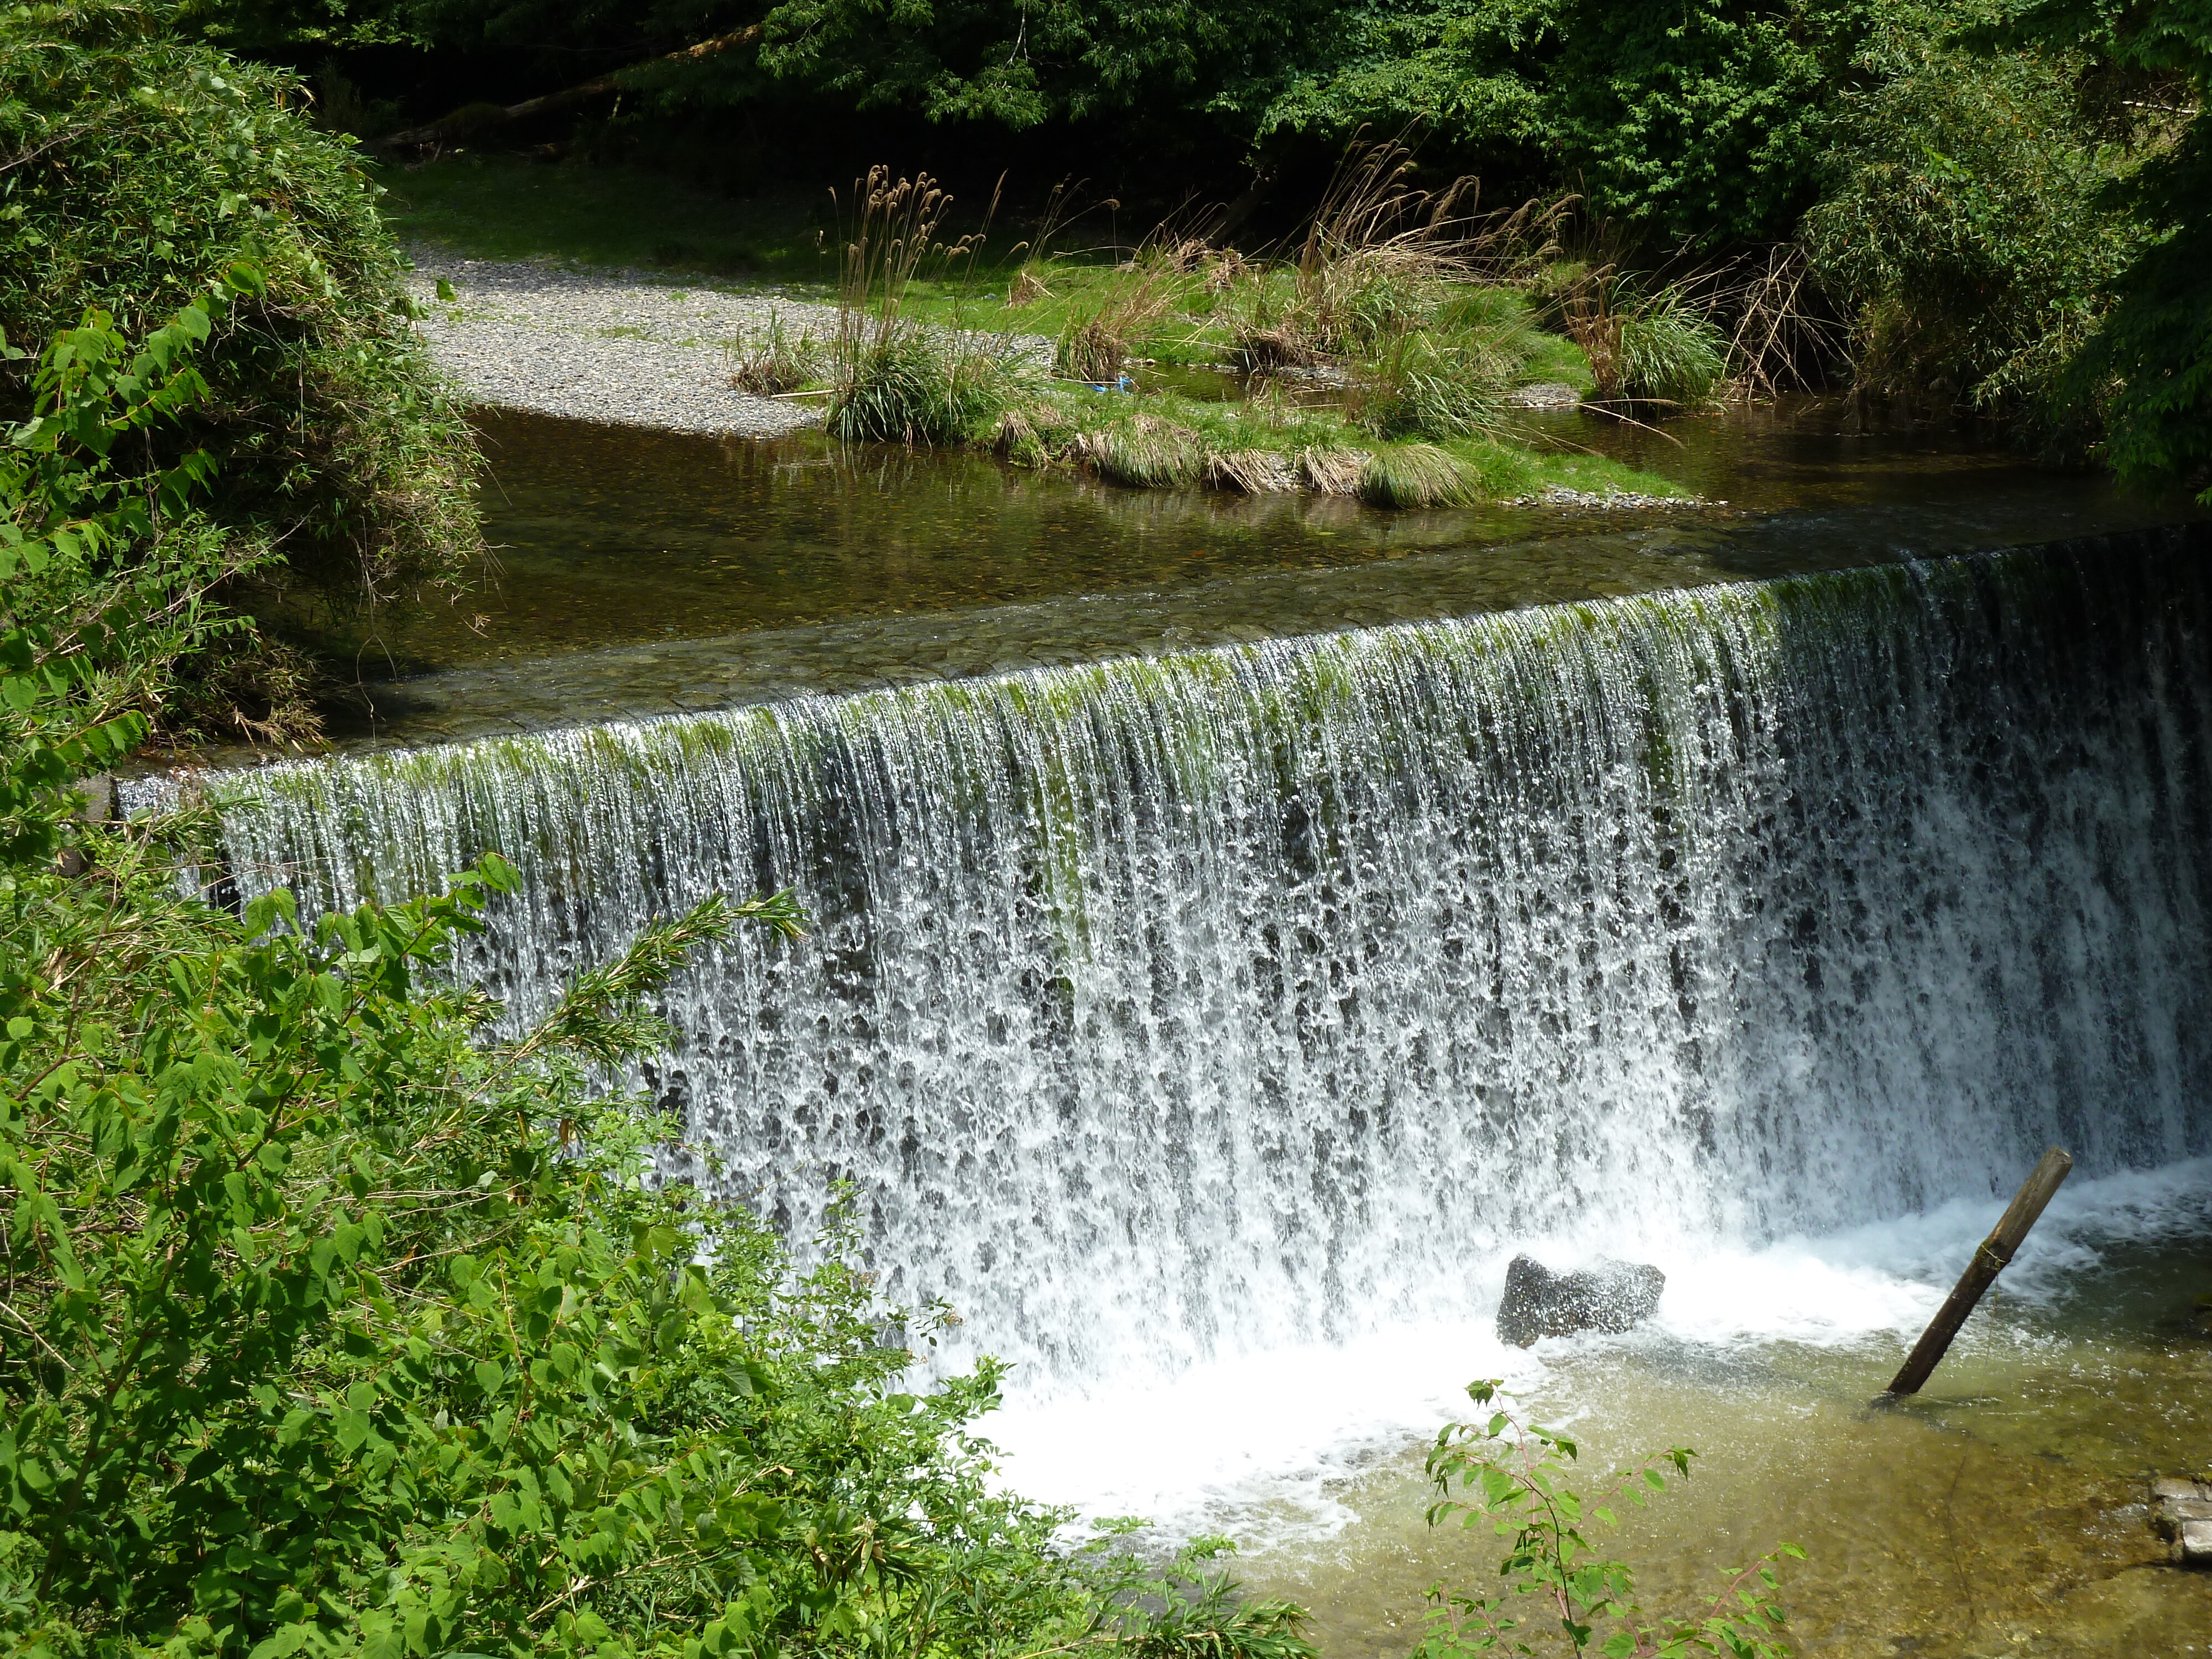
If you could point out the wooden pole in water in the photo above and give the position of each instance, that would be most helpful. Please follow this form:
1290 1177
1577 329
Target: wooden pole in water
1991 1255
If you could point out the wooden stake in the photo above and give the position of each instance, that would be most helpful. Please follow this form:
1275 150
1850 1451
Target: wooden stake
1990 1258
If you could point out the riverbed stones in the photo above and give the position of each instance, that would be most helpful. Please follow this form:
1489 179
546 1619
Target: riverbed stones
1544 394
2181 1510
1609 1296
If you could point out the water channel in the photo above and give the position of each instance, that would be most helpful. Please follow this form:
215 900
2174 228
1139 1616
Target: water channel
1240 925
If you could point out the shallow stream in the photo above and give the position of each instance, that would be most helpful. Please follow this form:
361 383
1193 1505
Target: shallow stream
643 573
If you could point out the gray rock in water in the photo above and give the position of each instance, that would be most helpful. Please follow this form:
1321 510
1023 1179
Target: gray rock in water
1612 1296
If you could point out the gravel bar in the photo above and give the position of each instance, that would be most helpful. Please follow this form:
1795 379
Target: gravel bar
626 347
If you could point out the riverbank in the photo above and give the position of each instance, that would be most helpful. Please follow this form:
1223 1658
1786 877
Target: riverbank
629 348
1398 359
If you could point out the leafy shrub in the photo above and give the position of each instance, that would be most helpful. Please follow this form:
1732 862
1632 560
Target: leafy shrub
2148 372
342 1326
1509 1477
1968 230
142 167
1702 123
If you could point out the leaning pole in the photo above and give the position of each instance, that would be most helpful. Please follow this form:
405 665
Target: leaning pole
1990 1257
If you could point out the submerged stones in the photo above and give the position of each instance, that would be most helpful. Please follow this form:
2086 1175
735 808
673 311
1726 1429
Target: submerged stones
2183 1510
1611 1296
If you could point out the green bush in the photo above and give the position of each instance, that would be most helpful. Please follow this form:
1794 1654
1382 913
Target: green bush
1512 1479
338 1324
1969 231
1693 122
142 165
2148 371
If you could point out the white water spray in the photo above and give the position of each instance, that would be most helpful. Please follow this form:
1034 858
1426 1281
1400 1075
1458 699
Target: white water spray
1246 1006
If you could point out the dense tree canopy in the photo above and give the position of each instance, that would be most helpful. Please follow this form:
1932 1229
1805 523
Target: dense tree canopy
2151 361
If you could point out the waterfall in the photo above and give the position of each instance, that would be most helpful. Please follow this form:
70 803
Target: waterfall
1195 1005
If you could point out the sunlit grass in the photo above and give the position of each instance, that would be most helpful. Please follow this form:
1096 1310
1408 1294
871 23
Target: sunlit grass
1408 433
504 207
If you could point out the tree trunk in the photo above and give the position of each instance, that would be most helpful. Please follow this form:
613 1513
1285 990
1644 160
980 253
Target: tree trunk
478 119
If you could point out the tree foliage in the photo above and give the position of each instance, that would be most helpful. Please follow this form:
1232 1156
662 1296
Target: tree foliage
2151 363
1698 122
1969 226
135 167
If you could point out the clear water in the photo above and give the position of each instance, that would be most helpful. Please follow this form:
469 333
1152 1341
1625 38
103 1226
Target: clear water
2001 1511
645 574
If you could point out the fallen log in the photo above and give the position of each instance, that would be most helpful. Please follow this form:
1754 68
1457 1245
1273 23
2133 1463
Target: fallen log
475 119
1991 1256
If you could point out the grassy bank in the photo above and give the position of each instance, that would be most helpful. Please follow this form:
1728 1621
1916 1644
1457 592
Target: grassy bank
1384 357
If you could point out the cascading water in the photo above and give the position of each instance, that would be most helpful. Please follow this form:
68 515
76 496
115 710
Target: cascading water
1208 1004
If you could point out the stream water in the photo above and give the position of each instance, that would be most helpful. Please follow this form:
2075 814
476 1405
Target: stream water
1208 1023
644 573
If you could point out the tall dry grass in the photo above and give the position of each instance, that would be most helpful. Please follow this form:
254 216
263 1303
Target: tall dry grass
1648 340
1787 334
1098 339
895 378
1380 257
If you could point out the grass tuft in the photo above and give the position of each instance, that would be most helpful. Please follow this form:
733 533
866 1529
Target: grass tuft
1647 341
1670 352
1252 472
894 379
922 385
772 362
1418 475
1332 471
1146 451
1095 344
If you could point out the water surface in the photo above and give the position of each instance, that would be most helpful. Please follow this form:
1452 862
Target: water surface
644 572
1220 964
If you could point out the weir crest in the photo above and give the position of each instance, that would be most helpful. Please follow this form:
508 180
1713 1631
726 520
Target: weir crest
1203 1004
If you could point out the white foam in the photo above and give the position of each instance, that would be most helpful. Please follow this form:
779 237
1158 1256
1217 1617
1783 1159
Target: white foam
1258 1445
1252 1446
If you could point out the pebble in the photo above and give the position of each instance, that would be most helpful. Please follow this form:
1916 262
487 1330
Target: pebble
631 348
2182 1512
1544 394
636 347
1559 495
